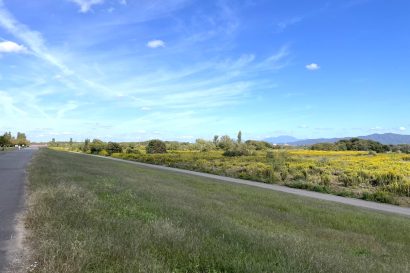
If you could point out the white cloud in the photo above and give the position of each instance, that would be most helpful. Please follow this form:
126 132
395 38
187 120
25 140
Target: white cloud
85 5
402 128
312 67
156 44
11 47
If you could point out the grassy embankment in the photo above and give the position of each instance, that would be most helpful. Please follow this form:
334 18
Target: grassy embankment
377 177
93 215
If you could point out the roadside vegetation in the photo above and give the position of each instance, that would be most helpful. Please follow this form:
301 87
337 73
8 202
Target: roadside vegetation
88 214
356 168
7 141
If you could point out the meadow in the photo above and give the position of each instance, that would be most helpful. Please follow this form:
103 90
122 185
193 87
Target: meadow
382 177
87 214
377 177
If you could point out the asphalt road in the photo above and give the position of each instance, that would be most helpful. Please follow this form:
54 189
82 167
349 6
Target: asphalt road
316 195
12 179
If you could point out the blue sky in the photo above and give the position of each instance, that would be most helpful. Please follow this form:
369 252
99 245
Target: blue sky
130 70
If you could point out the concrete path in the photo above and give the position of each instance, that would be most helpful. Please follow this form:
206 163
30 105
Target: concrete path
322 196
12 179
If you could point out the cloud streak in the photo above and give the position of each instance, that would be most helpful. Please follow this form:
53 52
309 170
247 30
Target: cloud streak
86 5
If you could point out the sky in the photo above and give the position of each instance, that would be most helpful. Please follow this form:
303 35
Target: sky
131 70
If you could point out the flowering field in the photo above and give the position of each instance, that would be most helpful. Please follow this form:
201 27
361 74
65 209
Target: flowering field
378 177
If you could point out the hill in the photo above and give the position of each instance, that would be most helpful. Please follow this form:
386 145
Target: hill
391 139
387 139
281 140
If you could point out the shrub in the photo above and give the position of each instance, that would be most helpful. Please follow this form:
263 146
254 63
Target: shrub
278 159
258 145
348 180
97 146
113 147
237 150
325 179
156 146
225 143
132 150
103 153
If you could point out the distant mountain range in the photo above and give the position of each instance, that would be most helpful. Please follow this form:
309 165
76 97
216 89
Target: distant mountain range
389 138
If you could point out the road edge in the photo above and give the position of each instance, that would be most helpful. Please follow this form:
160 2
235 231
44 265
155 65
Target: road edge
18 250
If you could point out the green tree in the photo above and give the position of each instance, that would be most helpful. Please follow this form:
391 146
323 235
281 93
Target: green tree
216 140
2 142
22 139
97 146
239 137
86 146
6 140
113 147
225 143
156 146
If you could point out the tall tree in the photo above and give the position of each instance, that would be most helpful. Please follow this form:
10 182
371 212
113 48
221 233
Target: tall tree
216 140
86 146
22 139
239 137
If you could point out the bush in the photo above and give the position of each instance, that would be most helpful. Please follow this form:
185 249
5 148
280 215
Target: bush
113 147
238 150
156 146
97 146
226 143
132 150
103 153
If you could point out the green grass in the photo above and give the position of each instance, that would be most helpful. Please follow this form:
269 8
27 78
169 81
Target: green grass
95 215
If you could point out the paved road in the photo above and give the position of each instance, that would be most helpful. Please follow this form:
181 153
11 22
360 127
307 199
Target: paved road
327 197
12 178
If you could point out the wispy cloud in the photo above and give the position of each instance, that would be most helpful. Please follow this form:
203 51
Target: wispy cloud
86 5
72 87
312 67
156 44
69 106
33 39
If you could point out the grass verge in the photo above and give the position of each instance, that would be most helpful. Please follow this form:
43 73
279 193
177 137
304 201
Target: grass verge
93 215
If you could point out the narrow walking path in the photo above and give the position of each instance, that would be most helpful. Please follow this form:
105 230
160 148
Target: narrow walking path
322 196
12 180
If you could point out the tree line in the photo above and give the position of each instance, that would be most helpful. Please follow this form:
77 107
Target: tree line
357 144
229 146
8 140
